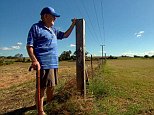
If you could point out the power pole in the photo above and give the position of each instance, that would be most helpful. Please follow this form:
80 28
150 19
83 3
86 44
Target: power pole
102 52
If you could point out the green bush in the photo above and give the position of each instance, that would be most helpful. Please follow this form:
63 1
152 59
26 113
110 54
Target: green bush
3 62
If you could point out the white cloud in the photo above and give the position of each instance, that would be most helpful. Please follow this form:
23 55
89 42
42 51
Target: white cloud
5 48
15 47
139 34
150 53
19 43
72 45
131 53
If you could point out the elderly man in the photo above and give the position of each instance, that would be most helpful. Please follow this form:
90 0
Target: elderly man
42 49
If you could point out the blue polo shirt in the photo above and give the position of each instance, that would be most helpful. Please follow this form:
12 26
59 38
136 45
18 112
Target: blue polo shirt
44 42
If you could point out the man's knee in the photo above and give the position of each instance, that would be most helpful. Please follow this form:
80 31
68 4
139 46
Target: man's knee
42 90
50 89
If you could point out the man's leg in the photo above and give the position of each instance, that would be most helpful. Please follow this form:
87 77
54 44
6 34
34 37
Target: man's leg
50 93
41 99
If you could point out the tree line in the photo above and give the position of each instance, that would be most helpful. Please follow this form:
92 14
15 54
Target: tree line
68 55
64 56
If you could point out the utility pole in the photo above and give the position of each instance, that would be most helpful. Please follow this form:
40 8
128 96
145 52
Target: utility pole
102 52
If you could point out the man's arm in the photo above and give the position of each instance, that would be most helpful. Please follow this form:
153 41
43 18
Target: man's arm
35 63
68 32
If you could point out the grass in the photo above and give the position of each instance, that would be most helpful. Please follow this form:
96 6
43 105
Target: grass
18 89
127 87
121 87
17 96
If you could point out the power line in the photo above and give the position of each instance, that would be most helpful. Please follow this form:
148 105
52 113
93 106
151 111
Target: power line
83 11
97 20
80 11
90 23
103 22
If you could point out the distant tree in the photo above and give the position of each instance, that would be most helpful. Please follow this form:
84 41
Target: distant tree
135 56
112 57
73 57
75 53
66 55
86 53
2 57
123 56
152 56
24 59
18 55
9 57
146 56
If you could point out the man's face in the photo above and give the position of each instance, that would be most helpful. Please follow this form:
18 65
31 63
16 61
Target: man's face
50 19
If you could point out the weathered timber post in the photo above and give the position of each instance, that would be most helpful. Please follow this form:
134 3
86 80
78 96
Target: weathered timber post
80 54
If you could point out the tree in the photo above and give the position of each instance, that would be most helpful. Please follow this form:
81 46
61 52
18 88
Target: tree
66 55
146 56
86 53
136 56
18 55
74 55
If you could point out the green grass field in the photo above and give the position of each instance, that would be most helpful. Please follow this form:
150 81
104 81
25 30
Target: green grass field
120 87
126 87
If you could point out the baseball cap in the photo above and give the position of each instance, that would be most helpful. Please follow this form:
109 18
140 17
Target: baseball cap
49 10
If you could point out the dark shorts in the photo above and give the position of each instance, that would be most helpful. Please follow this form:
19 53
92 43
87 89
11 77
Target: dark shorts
48 78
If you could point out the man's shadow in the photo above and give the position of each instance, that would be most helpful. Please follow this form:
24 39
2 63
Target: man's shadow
60 98
20 111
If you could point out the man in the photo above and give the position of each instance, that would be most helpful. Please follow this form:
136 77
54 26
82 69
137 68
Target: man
42 49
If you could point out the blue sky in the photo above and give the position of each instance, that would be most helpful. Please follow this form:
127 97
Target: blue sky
125 27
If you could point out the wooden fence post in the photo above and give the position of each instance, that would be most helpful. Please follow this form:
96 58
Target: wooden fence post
80 54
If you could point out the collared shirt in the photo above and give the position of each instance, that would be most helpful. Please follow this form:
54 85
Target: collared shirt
44 42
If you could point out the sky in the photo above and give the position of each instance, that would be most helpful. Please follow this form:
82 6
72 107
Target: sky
124 27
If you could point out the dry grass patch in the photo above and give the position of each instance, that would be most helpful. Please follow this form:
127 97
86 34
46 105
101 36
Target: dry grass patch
18 88
15 74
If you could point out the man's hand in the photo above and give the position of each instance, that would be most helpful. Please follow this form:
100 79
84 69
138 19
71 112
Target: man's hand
68 32
73 21
36 65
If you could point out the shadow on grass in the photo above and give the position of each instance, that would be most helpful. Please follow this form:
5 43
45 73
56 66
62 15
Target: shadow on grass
20 111
60 98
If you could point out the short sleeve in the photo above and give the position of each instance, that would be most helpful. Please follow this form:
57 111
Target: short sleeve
60 34
31 36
